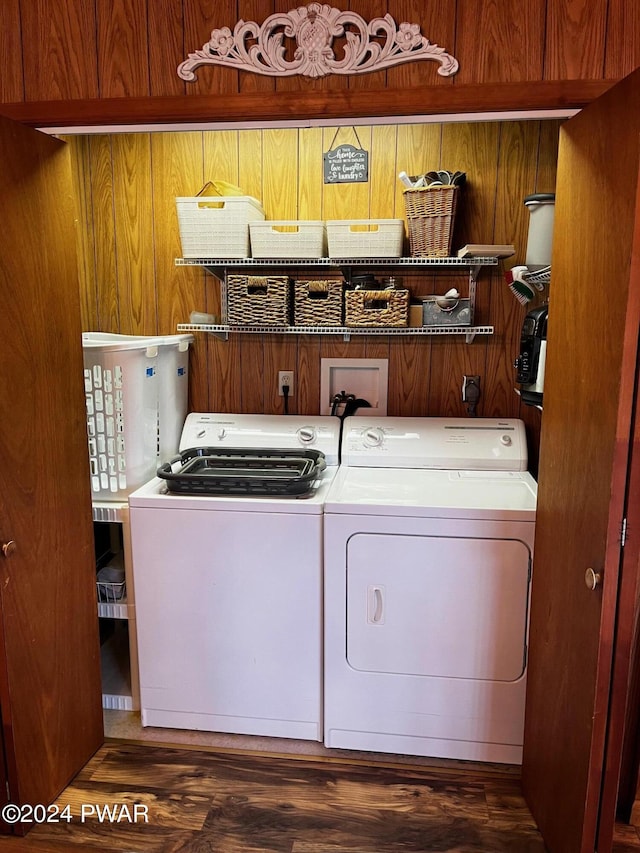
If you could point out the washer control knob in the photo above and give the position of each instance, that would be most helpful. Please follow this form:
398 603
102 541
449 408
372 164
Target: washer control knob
222 433
201 433
306 434
506 440
373 437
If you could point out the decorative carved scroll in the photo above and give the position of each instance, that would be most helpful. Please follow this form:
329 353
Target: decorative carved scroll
368 47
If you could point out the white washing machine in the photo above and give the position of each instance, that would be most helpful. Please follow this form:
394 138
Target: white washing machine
227 566
429 529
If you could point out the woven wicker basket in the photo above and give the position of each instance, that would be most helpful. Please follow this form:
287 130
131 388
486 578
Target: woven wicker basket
318 303
430 217
256 300
376 307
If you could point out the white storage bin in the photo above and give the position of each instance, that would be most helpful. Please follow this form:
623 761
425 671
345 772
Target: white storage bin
217 226
365 238
136 392
287 239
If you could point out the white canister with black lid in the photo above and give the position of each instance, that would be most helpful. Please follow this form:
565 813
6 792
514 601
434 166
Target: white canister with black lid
541 208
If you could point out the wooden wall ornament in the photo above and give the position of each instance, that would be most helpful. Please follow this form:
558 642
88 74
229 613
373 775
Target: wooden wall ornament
371 46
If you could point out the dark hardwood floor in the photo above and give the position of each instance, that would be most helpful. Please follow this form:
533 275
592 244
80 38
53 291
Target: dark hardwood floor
199 801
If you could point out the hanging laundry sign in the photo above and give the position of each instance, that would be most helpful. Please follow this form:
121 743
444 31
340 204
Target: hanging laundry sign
346 164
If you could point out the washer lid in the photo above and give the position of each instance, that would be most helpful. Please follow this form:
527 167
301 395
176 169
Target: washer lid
484 444
263 431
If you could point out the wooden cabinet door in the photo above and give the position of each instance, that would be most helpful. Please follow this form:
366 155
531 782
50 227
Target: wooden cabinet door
50 691
594 313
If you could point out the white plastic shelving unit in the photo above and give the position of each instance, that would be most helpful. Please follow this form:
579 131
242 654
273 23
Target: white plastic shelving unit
120 681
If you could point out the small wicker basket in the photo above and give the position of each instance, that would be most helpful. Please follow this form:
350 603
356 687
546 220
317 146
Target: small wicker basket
376 307
430 217
256 300
318 303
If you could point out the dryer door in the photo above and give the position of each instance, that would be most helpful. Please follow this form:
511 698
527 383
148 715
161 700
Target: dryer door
438 606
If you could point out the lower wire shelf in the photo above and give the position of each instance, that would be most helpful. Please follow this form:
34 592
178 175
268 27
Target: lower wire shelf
222 331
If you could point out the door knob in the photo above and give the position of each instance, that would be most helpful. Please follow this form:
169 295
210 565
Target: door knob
8 548
592 579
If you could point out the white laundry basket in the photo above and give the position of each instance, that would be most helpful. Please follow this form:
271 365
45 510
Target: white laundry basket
136 392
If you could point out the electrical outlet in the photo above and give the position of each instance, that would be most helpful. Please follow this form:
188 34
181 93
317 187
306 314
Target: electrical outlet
285 377
468 382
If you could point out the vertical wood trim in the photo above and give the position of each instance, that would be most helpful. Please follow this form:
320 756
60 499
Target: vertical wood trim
134 233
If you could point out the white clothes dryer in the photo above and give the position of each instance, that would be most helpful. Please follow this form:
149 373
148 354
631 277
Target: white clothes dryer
227 566
429 531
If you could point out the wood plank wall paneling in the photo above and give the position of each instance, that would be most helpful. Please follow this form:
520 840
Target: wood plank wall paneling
369 10
102 220
200 18
258 11
135 263
11 59
112 48
575 39
59 49
123 48
500 40
128 189
438 24
80 153
623 31
176 168
167 47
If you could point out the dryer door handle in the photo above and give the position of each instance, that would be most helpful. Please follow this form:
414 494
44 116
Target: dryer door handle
376 605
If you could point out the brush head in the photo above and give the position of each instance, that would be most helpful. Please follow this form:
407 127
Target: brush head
521 289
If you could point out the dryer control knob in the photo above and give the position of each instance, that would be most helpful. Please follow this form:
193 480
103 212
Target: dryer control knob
373 437
306 434
506 440
201 433
222 433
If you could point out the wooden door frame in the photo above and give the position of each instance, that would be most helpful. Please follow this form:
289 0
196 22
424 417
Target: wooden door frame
470 99
622 754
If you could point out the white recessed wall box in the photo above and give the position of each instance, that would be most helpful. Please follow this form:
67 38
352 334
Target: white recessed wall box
365 378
